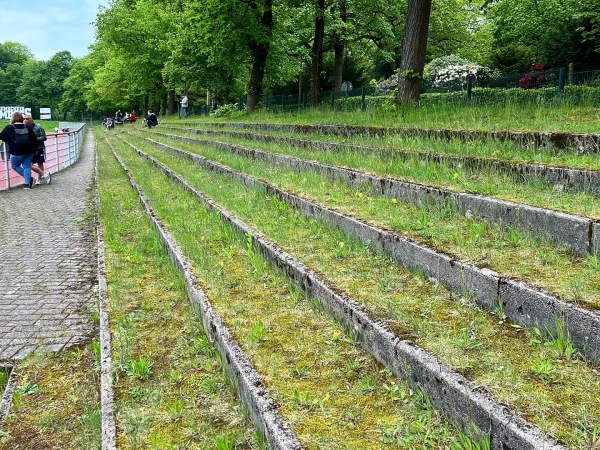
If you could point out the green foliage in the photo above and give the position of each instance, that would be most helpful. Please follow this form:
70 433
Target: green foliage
225 111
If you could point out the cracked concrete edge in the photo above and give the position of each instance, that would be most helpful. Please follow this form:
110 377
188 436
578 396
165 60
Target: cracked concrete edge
458 276
583 142
261 407
107 396
568 230
454 396
7 395
558 177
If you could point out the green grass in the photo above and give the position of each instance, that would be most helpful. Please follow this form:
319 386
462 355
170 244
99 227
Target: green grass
170 390
484 181
509 252
383 145
472 117
449 327
332 394
4 375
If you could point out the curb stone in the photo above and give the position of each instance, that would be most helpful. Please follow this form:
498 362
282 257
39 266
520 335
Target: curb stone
456 398
107 400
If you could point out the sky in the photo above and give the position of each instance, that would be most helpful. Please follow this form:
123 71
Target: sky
47 27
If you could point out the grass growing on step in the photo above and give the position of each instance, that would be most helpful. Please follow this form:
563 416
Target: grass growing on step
169 386
579 119
435 318
485 180
323 383
510 252
488 148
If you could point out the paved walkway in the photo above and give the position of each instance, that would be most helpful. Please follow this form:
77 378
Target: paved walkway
46 291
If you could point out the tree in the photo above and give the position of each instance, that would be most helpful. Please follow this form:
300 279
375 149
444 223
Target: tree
13 53
316 54
413 51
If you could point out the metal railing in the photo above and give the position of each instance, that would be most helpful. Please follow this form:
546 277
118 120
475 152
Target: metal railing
62 150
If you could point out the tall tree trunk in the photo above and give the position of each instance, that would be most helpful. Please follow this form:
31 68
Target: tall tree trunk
259 48
171 102
339 49
317 55
413 51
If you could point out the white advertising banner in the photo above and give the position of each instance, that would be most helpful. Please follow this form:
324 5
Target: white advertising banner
45 114
6 112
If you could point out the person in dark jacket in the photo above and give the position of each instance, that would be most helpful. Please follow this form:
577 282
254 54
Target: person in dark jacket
151 119
40 156
21 154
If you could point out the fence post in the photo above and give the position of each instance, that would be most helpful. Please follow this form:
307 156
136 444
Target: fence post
4 148
57 151
561 80
469 88
363 103
570 79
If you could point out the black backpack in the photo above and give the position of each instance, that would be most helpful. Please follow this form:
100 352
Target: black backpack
21 136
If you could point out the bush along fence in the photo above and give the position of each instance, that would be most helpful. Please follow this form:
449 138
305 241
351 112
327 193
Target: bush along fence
62 150
548 87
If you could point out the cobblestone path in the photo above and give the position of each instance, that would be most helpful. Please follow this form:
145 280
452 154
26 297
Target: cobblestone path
48 261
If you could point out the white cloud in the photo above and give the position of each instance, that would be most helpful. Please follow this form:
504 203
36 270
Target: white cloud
47 28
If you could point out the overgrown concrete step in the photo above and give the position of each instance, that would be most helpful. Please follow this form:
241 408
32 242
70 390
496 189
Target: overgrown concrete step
551 140
571 179
521 302
453 395
262 409
579 234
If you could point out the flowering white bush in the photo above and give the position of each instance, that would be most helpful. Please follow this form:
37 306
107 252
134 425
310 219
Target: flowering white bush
447 71
453 69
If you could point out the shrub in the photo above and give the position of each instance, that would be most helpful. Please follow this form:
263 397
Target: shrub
225 110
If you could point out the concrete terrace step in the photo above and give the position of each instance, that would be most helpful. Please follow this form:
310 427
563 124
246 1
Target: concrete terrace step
582 142
570 179
578 234
451 393
522 303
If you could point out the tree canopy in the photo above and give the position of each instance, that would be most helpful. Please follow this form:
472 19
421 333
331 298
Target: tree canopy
148 52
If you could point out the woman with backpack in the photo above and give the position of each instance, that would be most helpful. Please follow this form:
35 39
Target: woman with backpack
22 146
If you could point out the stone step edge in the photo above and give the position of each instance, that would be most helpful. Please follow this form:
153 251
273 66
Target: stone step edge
577 233
552 140
561 178
521 302
7 394
107 396
454 396
251 389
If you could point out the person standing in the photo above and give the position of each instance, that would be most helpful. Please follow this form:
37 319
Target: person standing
184 105
22 145
37 165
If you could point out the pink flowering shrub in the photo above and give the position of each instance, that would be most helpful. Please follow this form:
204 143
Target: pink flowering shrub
534 79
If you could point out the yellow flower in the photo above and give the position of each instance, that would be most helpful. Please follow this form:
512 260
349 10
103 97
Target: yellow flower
341 244
394 201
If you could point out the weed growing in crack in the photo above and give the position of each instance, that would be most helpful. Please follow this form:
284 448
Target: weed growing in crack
256 333
561 342
543 368
140 368
224 442
467 339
